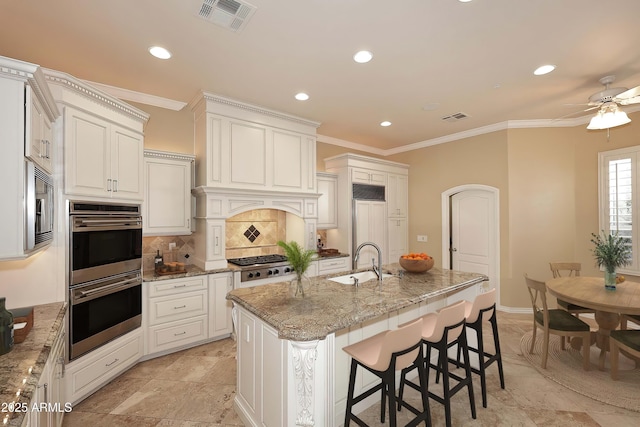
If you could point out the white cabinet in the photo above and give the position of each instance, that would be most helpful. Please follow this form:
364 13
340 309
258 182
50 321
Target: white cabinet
397 195
50 389
177 313
398 243
371 226
328 200
166 209
102 159
92 371
247 147
220 324
333 265
39 145
365 176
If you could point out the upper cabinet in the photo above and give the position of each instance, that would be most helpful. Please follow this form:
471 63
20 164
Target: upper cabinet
397 195
328 200
27 111
168 179
247 147
103 141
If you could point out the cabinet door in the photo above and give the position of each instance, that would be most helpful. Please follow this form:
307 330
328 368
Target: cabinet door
36 145
398 239
220 311
397 191
327 202
370 226
126 164
167 201
87 154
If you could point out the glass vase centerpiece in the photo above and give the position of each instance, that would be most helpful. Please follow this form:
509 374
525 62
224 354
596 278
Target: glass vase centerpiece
300 260
611 251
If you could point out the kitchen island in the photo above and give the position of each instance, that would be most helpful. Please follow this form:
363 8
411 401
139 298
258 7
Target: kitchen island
291 367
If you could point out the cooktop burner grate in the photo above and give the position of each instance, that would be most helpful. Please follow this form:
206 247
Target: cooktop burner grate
253 260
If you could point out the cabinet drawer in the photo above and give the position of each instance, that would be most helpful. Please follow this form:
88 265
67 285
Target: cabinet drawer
333 265
175 334
177 286
89 375
183 306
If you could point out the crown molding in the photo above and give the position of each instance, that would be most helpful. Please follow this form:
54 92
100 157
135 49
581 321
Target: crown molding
167 155
139 97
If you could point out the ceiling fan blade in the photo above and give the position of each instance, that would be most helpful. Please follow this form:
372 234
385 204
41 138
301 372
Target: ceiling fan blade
631 96
576 113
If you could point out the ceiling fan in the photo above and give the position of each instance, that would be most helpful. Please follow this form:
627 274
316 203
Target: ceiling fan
608 104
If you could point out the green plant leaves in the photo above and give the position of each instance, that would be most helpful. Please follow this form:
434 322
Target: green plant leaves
611 251
298 257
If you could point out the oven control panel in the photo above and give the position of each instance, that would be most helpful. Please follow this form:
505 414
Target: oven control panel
265 272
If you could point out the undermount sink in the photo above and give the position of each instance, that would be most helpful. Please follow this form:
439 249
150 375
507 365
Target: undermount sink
362 277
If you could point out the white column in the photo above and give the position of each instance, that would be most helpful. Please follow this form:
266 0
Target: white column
304 358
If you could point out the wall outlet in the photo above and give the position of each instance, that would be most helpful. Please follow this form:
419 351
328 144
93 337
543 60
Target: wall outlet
172 246
422 238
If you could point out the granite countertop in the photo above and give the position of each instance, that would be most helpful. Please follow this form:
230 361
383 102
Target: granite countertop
328 307
20 369
190 271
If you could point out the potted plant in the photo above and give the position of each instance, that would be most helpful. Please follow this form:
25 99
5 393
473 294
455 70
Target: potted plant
611 251
300 259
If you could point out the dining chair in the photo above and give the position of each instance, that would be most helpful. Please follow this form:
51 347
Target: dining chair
626 340
568 269
635 318
555 321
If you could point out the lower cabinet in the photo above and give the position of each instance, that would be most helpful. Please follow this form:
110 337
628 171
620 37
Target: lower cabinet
49 396
220 325
333 265
87 374
398 244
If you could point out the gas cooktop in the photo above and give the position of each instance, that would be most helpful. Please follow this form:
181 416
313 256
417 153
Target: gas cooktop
257 260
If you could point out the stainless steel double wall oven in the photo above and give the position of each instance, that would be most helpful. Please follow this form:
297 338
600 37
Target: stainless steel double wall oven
105 281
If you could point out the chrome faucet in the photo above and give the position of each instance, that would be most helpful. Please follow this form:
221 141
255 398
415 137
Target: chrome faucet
377 270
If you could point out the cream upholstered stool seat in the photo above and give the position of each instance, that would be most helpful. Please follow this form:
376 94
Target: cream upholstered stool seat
384 354
442 331
627 340
481 310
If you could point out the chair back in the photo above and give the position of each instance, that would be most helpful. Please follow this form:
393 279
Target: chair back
485 302
448 316
565 269
538 294
398 340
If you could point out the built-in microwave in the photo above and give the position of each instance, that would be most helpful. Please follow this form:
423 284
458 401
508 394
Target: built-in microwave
39 208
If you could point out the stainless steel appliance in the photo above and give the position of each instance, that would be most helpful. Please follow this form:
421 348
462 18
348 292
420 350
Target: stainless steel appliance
105 240
105 280
101 310
260 270
39 207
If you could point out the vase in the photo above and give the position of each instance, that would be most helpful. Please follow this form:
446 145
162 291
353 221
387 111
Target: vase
297 286
610 280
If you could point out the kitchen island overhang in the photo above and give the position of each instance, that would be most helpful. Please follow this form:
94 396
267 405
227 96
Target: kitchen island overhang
290 362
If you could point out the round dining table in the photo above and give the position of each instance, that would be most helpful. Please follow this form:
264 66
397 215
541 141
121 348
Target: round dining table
608 304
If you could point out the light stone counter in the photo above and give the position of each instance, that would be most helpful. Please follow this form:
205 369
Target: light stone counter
20 369
328 306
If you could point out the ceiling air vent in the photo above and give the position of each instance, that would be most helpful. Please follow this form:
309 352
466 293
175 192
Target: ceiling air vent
230 14
455 117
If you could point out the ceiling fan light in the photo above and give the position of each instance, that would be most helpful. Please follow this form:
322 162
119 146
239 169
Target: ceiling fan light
608 118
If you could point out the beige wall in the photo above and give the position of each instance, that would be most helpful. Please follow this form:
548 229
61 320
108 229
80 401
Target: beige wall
168 130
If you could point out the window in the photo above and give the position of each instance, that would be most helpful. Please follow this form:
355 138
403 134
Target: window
619 192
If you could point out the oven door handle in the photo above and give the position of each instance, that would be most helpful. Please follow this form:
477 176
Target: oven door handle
83 296
110 222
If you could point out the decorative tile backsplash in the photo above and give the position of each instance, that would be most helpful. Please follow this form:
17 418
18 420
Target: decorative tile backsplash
182 253
255 233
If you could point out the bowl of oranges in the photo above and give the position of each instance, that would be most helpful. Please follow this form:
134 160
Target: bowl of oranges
416 262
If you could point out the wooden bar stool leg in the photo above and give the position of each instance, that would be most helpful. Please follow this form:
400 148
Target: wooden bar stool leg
352 385
496 343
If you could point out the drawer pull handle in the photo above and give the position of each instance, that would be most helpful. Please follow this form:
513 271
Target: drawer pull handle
180 333
109 364
179 286
179 307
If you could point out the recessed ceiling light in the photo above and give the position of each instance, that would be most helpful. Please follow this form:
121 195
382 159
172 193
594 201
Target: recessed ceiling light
159 52
302 96
385 123
464 1
363 56
544 69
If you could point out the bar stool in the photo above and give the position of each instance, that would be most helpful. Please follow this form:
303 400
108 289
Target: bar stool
382 355
442 331
483 309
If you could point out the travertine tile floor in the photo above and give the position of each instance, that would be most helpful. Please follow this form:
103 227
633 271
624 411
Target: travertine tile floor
196 387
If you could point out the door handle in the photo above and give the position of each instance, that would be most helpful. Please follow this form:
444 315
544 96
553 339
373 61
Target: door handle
453 250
